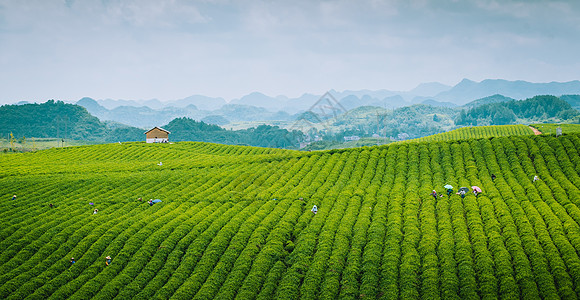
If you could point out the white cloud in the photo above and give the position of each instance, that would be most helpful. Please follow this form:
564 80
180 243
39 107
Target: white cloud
171 49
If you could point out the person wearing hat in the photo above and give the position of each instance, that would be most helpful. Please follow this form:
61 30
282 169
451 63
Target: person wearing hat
314 209
72 260
434 194
107 260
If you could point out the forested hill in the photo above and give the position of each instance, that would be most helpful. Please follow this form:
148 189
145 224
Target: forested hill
50 119
536 109
56 119
185 129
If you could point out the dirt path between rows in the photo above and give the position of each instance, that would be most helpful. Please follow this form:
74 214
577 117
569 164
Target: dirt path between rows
536 132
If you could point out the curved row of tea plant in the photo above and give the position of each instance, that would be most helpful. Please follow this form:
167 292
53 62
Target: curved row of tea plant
477 132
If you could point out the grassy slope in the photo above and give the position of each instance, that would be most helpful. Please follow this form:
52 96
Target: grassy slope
219 233
477 132
551 128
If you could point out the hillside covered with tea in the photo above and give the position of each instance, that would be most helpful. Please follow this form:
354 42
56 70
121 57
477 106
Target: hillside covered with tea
235 222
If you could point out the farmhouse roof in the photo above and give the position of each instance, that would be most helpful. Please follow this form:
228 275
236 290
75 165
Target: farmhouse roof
157 128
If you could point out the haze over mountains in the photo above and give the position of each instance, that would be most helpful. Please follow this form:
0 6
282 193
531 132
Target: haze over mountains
258 106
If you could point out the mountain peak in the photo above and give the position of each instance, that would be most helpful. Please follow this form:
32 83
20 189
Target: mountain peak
466 81
429 89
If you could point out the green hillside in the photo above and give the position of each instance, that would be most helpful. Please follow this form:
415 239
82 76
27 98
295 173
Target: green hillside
477 132
551 128
231 225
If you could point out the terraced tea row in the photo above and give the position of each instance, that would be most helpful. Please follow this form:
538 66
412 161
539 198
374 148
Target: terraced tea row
477 132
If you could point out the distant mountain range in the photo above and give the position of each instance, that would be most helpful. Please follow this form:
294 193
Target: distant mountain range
468 90
462 93
146 117
260 107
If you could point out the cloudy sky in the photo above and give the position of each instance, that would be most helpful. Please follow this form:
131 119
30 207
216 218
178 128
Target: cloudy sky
171 49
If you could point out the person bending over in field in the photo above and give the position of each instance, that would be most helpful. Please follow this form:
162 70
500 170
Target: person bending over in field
14 197
434 194
449 192
107 260
72 260
50 205
462 193
314 209
95 211
493 177
536 178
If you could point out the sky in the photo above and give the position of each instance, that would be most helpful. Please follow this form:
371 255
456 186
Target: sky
172 49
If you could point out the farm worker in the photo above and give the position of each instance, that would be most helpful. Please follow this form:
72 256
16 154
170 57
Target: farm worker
95 211
160 164
150 202
462 193
72 260
140 199
492 177
475 192
50 205
314 209
14 197
449 191
107 260
434 194
536 178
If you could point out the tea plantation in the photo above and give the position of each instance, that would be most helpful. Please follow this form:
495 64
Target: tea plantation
235 222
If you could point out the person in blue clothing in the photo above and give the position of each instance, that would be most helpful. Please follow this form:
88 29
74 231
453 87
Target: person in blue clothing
72 260
150 202
107 260
14 197
449 192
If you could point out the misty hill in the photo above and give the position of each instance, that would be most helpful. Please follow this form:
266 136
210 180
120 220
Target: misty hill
138 116
574 100
429 89
261 100
438 103
202 102
468 90
146 117
488 100
238 112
